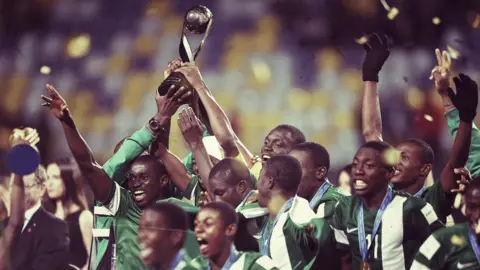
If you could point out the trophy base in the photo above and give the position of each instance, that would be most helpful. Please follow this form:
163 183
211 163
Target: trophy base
177 79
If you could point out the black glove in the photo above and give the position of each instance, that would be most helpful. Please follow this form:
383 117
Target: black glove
377 52
466 99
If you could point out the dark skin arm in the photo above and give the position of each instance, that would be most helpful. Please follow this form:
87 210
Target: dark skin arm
175 168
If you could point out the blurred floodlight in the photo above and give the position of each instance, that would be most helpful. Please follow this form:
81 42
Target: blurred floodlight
45 70
79 46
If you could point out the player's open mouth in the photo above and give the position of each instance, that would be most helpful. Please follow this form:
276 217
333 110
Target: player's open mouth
203 244
145 253
265 157
397 172
359 184
139 194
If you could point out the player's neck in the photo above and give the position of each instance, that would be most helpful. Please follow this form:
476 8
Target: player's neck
285 196
315 188
218 261
167 263
411 189
375 200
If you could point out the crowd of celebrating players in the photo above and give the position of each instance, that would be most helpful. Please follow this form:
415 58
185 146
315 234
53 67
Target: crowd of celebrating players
224 208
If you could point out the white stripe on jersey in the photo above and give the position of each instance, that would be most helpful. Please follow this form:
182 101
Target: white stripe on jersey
278 245
340 236
429 247
429 214
115 202
265 262
180 265
321 210
392 235
239 264
101 211
100 233
418 266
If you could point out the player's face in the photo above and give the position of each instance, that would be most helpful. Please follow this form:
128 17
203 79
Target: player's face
277 142
154 238
224 192
472 207
144 184
369 172
309 183
409 164
210 232
264 192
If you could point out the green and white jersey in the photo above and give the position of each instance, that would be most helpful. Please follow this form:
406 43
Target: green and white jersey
436 197
245 261
406 222
256 215
447 248
127 214
299 239
326 205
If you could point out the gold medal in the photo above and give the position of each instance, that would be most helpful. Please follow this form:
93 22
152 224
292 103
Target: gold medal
364 266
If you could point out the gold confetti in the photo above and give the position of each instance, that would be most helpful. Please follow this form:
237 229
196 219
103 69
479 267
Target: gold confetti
428 117
275 204
458 201
477 229
436 20
391 156
361 40
457 240
392 13
261 71
79 46
454 54
45 70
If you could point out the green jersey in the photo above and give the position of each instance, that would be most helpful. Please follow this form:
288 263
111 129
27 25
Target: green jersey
255 215
447 248
325 206
298 239
245 261
439 200
406 222
127 214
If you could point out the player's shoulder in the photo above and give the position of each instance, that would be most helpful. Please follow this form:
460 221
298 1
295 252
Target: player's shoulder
199 262
257 261
410 202
456 235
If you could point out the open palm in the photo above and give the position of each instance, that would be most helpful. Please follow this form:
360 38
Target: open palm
58 106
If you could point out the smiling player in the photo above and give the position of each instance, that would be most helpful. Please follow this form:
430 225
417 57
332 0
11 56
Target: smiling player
215 228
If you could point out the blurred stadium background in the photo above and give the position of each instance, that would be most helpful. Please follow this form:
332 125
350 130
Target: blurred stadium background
267 62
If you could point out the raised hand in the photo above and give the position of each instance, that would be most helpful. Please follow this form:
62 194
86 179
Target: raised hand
192 74
190 127
441 72
168 104
58 106
204 198
27 135
377 51
172 66
466 98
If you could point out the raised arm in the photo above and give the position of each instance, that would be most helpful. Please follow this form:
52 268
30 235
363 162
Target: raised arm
221 126
465 100
377 52
17 211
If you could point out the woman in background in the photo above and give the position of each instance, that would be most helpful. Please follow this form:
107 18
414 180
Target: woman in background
66 200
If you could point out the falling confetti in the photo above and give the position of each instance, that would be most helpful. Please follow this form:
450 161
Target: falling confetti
79 46
477 229
391 157
361 40
453 53
392 13
275 204
458 201
45 70
436 20
457 240
428 117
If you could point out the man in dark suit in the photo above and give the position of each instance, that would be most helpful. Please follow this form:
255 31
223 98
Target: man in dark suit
42 242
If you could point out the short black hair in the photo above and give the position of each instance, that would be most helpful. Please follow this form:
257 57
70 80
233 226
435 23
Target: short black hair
231 171
226 211
297 134
426 150
381 148
175 217
160 168
317 153
285 171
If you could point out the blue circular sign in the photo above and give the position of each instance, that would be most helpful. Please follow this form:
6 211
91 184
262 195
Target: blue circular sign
23 159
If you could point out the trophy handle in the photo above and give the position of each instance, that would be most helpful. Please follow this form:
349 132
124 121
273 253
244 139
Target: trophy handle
184 48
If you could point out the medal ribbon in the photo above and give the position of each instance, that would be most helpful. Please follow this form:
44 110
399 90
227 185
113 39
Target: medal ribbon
178 259
419 193
268 228
474 244
230 261
319 194
378 219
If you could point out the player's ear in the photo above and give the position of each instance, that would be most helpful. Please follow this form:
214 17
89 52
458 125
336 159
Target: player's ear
177 238
231 230
426 168
164 180
321 172
241 187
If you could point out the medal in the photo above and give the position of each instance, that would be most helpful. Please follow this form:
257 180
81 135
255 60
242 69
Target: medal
364 266
319 194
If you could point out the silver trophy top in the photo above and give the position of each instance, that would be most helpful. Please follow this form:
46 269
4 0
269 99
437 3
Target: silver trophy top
197 19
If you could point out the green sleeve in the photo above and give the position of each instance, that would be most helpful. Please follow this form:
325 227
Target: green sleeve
473 163
436 197
132 147
432 254
188 193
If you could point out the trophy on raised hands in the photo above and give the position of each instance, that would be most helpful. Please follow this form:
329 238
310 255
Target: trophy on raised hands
198 21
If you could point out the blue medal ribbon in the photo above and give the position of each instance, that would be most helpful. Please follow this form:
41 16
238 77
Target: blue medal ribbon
178 259
268 228
378 219
474 243
319 194
230 261
419 193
